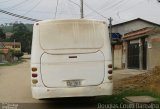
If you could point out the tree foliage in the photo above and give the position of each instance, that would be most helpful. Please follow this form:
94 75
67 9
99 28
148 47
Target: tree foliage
18 54
2 34
23 35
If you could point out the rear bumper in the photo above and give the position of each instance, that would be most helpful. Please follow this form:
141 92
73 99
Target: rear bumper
43 92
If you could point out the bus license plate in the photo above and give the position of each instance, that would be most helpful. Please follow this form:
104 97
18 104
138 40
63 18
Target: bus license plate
73 83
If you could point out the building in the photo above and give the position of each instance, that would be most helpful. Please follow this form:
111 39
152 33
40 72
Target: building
142 48
16 46
8 34
3 53
5 50
139 32
132 25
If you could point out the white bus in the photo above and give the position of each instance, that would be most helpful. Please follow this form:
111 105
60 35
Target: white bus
71 58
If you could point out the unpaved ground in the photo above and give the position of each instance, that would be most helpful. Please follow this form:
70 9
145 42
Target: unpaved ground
126 73
146 81
15 83
15 88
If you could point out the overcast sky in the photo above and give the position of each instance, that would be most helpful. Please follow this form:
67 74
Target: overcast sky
119 10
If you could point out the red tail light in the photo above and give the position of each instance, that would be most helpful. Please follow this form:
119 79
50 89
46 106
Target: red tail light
110 71
34 75
110 66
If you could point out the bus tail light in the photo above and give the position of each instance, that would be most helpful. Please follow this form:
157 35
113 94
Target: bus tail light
34 69
110 66
34 75
34 81
109 71
110 77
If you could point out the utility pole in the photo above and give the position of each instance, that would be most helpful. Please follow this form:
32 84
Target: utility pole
14 44
110 37
14 49
81 10
110 29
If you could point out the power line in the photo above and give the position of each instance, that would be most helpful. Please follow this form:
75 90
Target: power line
133 6
89 8
70 9
105 4
5 1
110 7
19 16
112 10
102 6
96 11
26 5
80 6
16 5
31 8
74 3
62 5
113 5
56 9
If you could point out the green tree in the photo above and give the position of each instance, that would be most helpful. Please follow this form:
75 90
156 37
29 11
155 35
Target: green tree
2 34
23 35
18 54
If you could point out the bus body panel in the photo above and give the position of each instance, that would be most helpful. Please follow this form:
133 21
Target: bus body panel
89 91
54 67
56 70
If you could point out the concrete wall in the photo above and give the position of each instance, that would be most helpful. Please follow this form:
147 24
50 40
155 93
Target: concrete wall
118 56
153 51
124 55
2 58
131 26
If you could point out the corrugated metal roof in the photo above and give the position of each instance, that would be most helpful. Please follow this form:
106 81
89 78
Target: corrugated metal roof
141 32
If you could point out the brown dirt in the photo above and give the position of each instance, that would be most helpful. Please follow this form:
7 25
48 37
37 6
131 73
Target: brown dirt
146 81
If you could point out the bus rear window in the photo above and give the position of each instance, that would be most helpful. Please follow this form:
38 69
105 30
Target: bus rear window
71 35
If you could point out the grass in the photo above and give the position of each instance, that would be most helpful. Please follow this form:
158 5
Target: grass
118 98
12 63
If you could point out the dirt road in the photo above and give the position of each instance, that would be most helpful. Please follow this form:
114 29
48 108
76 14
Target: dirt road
15 83
15 88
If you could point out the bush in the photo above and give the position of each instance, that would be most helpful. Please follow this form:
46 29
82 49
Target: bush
18 54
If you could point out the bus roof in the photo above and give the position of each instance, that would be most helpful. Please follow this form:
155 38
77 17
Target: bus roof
72 20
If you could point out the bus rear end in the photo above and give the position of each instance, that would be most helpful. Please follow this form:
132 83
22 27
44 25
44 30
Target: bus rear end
70 58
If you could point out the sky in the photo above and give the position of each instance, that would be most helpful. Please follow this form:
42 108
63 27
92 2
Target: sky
119 10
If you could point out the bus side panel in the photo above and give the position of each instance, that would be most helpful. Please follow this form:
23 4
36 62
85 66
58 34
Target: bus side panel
36 49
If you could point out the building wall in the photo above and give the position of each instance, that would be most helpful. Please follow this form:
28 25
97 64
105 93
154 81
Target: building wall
154 51
2 58
131 26
12 47
124 55
118 56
